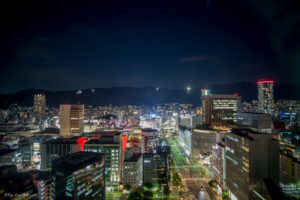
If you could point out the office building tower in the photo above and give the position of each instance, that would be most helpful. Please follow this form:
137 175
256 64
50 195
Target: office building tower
289 164
133 168
149 140
56 148
71 120
39 106
44 186
110 145
25 150
220 110
265 96
186 124
156 167
290 119
7 157
36 153
250 157
258 122
79 176
204 139
218 164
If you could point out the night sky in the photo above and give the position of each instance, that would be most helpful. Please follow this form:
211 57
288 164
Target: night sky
58 45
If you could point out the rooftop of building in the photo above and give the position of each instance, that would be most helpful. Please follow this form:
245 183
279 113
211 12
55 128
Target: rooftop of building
246 133
163 149
134 158
50 131
72 140
7 167
104 133
149 130
44 176
103 140
221 96
76 161
7 151
254 113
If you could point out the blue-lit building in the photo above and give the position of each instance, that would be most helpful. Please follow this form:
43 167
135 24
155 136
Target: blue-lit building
186 124
288 118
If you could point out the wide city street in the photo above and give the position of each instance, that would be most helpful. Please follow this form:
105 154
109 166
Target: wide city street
194 181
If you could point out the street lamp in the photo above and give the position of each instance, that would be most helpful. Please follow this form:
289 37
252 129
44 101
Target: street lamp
188 89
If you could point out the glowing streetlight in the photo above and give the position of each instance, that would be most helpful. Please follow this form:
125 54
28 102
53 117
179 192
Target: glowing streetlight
188 89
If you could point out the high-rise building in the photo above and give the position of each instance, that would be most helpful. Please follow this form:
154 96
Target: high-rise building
265 96
186 124
79 176
204 139
56 148
71 120
258 122
149 140
44 186
110 145
250 157
133 168
219 110
25 149
218 163
156 167
39 106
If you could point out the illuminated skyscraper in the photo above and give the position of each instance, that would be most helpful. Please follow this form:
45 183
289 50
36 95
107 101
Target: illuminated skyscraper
39 106
265 96
219 109
110 144
71 120
249 158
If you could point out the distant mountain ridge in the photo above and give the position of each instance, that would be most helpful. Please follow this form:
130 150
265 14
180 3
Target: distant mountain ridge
144 95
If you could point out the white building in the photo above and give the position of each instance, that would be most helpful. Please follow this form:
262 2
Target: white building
133 168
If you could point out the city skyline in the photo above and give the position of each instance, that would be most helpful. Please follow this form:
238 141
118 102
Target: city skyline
147 100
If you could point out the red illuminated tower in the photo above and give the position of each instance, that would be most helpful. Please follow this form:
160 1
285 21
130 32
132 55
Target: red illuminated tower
265 96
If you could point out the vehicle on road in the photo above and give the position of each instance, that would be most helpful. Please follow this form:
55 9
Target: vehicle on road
201 188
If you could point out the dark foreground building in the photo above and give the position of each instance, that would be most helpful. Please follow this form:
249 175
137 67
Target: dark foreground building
156 166
79 176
